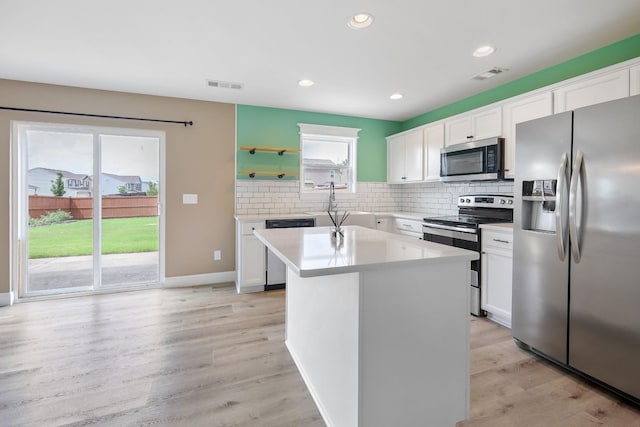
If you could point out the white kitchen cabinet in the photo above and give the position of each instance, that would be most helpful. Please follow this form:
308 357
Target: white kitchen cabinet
433 141
518 111
408 227
606 87
250 258
497 268
384 223
404 157
472 126
634 80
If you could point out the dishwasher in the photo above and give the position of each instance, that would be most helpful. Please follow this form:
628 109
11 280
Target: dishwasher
276 274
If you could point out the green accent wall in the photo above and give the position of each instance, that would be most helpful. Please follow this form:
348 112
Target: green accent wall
274 127
620 51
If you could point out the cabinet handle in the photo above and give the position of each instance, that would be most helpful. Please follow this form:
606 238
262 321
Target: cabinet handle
470 136
501 241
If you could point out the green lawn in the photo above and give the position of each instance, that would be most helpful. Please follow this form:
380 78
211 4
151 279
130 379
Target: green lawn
119 235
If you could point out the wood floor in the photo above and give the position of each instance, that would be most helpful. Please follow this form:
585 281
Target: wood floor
206 356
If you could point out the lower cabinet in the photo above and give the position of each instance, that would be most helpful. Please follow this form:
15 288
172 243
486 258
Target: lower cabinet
250 258
497 260
408 227
384 223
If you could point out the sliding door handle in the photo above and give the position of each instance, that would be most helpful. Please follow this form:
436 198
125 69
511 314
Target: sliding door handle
561 194
574 234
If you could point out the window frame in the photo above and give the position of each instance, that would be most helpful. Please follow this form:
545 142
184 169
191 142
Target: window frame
330 134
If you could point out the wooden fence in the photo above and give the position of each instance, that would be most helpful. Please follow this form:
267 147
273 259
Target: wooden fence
81 207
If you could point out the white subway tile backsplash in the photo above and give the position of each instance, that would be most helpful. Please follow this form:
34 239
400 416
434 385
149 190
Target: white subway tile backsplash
430 198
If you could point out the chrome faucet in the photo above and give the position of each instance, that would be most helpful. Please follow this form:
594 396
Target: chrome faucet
332 198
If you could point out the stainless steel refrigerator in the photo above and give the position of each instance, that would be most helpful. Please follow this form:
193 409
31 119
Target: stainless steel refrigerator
576 281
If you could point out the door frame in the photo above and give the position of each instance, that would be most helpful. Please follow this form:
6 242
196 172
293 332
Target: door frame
18 208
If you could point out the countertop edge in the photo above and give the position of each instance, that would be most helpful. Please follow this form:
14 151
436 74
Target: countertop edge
263 217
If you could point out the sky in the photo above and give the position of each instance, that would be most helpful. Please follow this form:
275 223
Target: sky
73 152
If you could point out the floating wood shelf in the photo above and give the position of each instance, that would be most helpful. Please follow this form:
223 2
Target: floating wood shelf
279 150
252 174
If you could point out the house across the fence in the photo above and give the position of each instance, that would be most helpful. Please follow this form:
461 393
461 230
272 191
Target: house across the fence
80 185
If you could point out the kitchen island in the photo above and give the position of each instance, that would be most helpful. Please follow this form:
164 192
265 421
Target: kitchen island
377 324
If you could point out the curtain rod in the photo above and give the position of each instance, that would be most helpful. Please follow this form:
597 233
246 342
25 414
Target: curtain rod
29 110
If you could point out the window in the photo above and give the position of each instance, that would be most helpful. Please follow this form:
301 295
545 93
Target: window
327 154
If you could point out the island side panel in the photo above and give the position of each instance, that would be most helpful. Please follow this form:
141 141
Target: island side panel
322 317
414 348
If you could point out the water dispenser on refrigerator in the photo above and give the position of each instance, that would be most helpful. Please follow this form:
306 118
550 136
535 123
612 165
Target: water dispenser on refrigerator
539 205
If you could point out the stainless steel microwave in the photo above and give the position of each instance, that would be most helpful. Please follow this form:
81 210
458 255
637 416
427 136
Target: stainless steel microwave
481 160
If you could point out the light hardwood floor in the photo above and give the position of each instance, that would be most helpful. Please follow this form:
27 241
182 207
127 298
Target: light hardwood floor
206 356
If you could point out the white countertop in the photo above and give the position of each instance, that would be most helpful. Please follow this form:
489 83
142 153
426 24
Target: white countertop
261 217
502 226
311 252
418 216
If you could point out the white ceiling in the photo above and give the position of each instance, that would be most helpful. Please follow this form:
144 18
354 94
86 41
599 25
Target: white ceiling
421 48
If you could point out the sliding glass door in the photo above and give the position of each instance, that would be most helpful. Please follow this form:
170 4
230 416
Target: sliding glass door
129 199
58 231
87 202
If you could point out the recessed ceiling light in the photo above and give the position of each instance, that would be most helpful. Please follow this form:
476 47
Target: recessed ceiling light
306 82
360 21
484 51
396 96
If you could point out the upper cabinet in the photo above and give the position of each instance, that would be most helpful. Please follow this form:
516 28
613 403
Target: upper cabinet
606 87
634 80
414 155
518 111
471 127
405 157
433 142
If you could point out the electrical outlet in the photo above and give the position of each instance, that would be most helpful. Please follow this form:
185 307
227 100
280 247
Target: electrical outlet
217 255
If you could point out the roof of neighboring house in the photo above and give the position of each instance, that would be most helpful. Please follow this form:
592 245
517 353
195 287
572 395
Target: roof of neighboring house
133 179
319 162
65 174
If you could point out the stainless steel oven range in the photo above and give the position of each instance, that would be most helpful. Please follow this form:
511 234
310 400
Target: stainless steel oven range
463 231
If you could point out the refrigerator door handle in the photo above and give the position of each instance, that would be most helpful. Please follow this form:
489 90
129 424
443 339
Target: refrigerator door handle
561 195
573 207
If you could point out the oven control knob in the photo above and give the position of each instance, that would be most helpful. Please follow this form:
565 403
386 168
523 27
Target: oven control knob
510 202
502 202
468 200
461 200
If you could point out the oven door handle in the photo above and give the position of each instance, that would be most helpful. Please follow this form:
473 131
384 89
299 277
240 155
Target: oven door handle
448 227
447 232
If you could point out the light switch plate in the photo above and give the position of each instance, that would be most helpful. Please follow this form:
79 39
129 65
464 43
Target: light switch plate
189 199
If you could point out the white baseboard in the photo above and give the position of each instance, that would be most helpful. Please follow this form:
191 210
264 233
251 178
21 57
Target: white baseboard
199 279
250 289
501 317
6 298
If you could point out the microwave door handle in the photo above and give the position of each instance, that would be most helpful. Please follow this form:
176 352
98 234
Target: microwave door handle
573 207
561 195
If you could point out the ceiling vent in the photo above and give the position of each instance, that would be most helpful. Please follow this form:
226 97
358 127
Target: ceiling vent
488 74
224 85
